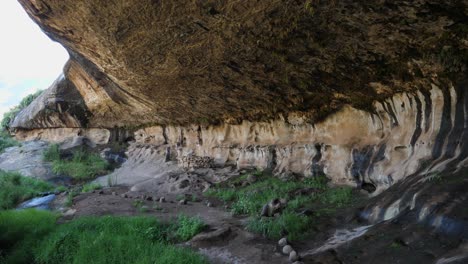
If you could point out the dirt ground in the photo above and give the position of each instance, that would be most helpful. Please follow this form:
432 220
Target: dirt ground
399 240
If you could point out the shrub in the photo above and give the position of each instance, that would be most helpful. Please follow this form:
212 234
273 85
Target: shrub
15 188
10 115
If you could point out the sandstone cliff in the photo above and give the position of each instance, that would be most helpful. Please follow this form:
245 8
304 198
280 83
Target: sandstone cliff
366 92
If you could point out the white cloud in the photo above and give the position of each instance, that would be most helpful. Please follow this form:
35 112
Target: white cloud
29 60
5 95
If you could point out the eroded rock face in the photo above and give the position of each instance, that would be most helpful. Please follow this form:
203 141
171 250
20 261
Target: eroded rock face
408 133
176 62
219 83
418 133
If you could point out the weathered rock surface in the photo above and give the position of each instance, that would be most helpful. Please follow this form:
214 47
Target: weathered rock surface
216 84
175 62
409 133
27 159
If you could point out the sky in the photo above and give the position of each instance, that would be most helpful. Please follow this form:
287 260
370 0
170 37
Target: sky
29 60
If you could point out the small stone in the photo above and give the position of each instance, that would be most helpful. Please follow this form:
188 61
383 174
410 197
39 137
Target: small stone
101 192
251 178
264 210
287 249
183 201
70 212
298 262
293 256
283 242
149 198
209 204
162 200
114 193
124 195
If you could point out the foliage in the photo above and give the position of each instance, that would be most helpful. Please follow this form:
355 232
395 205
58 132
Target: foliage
6 141
82 165
91 187
32 237
15 188
188 227
10 115
249 200
21 231
52 153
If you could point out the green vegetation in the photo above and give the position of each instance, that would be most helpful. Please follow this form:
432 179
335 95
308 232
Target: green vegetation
52 153
15 188
21 231
249 200
10 115
91 187
6 141
81 165
33 237
188 227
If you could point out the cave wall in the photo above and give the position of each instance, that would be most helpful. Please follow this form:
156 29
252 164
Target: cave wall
420 132
362 91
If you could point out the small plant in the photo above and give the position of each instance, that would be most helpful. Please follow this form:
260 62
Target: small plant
434 177
180 197
187 227
91 187
309 7
60 189
111 180
52 153
6 141
71 194
140 206
157 207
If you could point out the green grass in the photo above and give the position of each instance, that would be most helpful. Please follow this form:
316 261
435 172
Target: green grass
15 188
52 153
91 187
6 141
83 165
21 231
33 237
188 227
249 200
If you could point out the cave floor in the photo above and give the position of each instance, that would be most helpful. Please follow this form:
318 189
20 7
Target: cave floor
395 241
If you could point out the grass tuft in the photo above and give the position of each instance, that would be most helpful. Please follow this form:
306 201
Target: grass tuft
15 188
91 187
187 227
